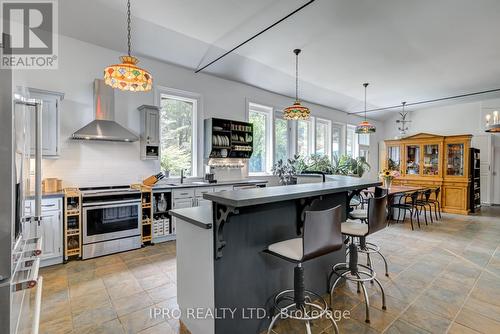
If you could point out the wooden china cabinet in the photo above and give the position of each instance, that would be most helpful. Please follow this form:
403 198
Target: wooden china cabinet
432 160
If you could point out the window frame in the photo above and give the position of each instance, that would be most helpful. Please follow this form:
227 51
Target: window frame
328 140
268 111
311 140
197 127
342 138
278 115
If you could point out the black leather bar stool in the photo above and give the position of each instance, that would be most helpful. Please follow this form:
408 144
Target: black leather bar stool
352 270
321 235
362 213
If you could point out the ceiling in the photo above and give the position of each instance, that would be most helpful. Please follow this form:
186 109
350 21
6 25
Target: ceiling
408 50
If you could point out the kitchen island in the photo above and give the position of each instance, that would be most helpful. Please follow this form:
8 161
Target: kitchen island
224 279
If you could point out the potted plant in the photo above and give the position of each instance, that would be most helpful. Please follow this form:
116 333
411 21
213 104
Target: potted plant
287 170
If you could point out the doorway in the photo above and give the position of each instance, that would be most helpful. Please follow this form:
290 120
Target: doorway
496 176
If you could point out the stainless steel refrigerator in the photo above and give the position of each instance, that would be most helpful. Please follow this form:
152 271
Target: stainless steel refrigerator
20 284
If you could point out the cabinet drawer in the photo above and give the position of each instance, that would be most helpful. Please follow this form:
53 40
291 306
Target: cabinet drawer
200 191
51 204
183 193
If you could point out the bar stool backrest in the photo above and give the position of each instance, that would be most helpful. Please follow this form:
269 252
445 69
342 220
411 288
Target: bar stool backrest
377 214
322 233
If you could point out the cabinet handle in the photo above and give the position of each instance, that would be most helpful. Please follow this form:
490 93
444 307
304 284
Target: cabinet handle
48 205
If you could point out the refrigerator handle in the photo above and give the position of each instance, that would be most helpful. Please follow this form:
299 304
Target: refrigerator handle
38 161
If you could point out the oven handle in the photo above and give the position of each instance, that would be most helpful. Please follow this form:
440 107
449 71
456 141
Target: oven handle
110 204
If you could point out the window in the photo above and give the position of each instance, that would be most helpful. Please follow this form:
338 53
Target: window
281 138
260 116
178 116
351 146
323 134
364 146
304 137
336 140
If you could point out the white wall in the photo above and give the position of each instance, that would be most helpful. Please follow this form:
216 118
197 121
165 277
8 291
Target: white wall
105 163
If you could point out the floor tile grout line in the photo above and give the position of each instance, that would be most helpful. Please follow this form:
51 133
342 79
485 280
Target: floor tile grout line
474 264
470 293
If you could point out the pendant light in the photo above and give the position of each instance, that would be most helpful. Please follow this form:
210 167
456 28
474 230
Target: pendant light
365 126
128 76
296 111
403 121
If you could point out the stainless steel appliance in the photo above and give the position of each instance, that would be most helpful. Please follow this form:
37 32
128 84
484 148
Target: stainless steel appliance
111 220
19 249
104 126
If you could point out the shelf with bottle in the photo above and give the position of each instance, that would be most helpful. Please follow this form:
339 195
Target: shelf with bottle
72 223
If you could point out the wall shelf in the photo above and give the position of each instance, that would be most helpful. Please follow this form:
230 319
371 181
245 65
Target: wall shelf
231 133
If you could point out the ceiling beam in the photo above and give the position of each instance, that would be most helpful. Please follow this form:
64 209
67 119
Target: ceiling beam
428 101
255 36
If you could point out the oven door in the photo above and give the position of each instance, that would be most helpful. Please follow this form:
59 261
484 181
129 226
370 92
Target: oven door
108 221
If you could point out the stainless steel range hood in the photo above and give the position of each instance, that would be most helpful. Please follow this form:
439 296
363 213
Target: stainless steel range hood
104 126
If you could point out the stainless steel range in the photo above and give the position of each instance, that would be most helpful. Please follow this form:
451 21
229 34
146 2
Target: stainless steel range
111 220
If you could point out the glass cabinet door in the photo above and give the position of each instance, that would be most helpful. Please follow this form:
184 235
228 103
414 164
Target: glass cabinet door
413 159
455 159
394 158
431 159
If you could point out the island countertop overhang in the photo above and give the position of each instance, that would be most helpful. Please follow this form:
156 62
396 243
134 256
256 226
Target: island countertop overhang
249 197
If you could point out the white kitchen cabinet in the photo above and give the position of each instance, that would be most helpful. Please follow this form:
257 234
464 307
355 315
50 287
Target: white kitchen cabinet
203 202
50 229
50 122
150 132
51 233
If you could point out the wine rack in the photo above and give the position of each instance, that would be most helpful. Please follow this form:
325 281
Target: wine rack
146 212
72 224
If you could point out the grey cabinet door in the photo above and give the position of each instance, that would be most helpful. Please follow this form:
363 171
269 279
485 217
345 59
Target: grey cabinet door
153 127
50 124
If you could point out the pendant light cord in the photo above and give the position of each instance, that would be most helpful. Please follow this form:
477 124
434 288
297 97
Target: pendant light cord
365 85
128 27
297 52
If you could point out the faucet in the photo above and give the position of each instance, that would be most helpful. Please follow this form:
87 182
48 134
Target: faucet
182 176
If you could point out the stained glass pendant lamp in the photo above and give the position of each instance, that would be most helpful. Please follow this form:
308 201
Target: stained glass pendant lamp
296 111
365 126
127 75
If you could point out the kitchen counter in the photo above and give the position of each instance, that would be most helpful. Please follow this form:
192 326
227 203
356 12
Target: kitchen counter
220 258
58 194
250 197
167 185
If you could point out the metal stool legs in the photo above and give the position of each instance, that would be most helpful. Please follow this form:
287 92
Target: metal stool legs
355 272
301 306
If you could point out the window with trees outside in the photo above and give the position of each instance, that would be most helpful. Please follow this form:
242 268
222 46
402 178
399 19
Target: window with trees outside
336 140
351 141
364 145
304 137
281 138
323 134
178 134
261 117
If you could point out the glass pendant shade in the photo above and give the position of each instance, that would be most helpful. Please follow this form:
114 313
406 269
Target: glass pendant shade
128 76
365 127
296 112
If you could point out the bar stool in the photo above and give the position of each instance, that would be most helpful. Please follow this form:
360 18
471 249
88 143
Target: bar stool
362 214
321 235
352 270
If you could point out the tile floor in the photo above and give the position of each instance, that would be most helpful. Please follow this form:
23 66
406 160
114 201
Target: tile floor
444 278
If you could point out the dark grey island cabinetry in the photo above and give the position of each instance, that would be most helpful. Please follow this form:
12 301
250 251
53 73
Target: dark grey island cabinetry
224 279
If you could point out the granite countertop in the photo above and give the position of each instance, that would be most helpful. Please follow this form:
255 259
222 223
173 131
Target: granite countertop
200 216
168 185
248 197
